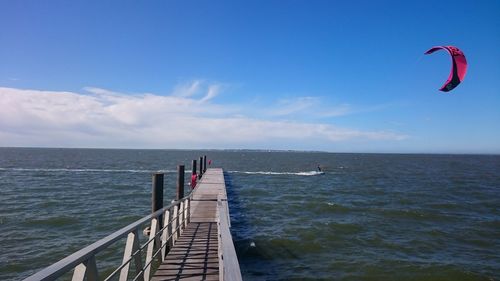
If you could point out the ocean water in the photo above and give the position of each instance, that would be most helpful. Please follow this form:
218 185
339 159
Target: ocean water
369 217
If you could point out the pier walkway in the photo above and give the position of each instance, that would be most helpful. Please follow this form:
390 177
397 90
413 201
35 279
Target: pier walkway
195 255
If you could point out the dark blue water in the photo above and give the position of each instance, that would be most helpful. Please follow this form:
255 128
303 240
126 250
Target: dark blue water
370 217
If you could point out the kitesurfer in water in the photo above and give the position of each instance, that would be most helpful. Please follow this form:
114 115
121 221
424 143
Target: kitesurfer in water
319 169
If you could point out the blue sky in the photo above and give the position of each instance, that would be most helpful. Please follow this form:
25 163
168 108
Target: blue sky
346 76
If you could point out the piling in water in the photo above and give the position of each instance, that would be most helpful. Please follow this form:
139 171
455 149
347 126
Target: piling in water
204 163
201 168
180 182
193 168
157 193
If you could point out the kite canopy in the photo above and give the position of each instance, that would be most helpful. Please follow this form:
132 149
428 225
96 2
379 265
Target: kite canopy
458 69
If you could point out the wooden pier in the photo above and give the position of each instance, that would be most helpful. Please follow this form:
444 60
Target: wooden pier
192 242
195 255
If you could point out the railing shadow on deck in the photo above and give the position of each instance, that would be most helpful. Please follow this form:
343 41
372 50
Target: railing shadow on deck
194 256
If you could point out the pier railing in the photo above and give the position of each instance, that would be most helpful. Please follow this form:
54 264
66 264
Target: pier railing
143 254
162 228
229 268
162 237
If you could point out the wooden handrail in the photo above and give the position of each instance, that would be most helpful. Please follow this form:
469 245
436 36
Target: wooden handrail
80 259
229 267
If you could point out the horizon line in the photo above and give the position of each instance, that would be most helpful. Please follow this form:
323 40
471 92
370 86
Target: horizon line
257 150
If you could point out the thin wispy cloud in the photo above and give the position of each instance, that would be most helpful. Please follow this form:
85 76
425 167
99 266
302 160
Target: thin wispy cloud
188 89
102 92
293 106
313 107
194 119
339 110
212 92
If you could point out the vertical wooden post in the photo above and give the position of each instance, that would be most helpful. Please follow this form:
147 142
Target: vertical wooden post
131 247
188 208
86 271
151 248
175 224
180 182
193 168
181 217
201 167
204 164
165 240
157 194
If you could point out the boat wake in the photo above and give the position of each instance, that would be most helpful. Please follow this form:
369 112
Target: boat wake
307 173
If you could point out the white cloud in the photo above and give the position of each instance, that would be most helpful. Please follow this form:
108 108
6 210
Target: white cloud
102 118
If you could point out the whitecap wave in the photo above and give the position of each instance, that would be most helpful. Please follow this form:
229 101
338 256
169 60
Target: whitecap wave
85 170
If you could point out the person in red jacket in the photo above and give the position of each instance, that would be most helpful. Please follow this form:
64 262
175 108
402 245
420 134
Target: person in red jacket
193 181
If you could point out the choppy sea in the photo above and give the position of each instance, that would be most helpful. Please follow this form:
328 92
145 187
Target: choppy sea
369 217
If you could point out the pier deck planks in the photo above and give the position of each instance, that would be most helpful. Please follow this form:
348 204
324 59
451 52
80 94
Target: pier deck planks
195 254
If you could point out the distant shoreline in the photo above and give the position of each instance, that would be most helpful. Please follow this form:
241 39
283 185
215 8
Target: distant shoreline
257 150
